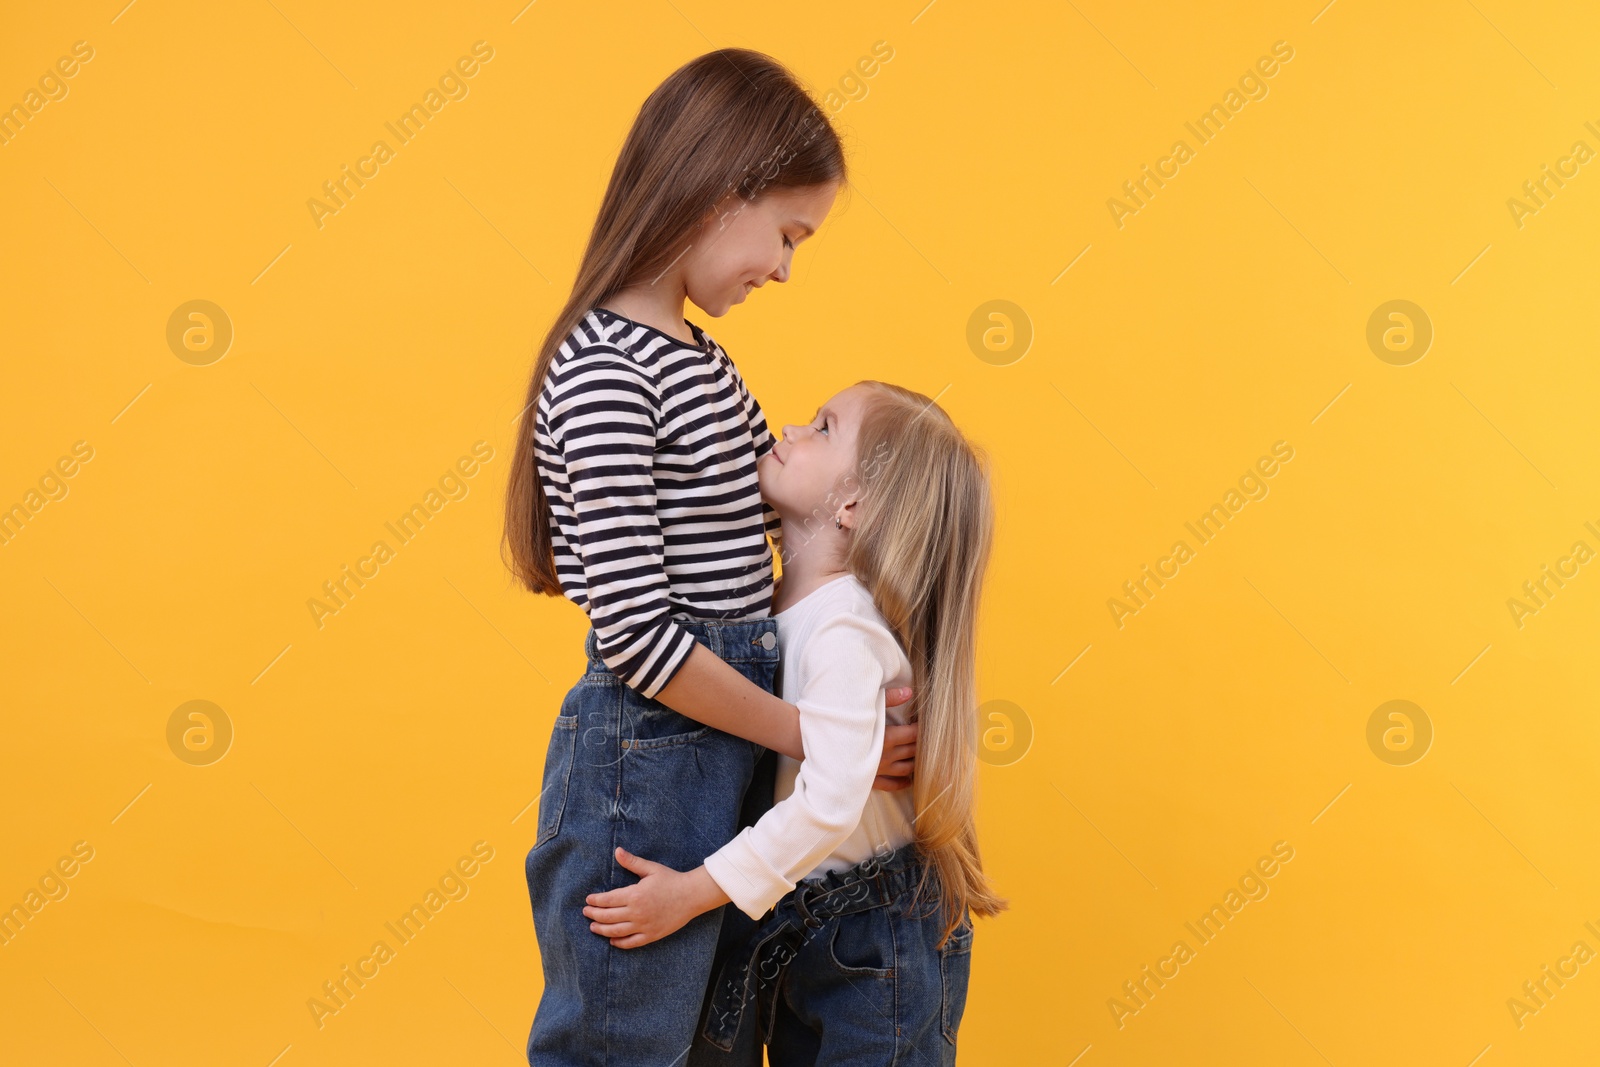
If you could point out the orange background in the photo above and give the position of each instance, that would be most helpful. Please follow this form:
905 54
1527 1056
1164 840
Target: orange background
1165 356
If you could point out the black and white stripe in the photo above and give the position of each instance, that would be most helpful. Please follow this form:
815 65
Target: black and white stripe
647 450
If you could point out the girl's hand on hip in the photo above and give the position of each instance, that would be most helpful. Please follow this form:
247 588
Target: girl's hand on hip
659 904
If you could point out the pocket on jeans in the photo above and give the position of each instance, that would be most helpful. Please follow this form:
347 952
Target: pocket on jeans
557 776
955 967
862 944
648 723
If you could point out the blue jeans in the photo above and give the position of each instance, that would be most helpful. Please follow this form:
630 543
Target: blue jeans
845 970
623 769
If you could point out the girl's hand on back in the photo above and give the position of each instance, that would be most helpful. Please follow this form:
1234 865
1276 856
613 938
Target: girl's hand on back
899 749
658 904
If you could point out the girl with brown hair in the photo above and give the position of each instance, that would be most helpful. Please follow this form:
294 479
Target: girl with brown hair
634 493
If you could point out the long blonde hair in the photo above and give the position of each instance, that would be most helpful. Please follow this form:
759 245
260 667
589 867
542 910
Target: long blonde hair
920 545
730 122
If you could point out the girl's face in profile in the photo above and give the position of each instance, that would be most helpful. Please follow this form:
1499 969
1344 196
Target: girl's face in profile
805 474
743 245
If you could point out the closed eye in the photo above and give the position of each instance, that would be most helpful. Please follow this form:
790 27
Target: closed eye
787 243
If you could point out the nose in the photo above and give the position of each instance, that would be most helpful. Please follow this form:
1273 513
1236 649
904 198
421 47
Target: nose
781 274
790 431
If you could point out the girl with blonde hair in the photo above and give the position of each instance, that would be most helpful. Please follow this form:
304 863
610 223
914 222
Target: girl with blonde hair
865 899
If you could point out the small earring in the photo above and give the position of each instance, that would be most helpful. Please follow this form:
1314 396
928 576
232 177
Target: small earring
837 525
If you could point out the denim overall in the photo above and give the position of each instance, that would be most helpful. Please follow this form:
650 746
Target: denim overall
844 970
623 769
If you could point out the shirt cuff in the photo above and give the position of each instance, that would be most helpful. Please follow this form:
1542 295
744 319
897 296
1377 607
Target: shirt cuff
750 881
683 642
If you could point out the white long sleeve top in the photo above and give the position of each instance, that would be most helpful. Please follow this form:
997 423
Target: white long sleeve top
837 656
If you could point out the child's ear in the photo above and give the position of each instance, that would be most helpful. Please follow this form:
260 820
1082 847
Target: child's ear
847 515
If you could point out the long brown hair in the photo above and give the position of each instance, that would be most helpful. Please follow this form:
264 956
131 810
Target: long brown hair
730 122
920 545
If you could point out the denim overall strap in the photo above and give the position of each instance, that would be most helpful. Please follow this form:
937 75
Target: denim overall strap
755 971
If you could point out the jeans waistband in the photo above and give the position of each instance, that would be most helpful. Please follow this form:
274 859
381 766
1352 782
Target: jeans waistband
753 971
731 640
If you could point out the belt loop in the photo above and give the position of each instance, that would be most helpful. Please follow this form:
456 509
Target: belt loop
811 921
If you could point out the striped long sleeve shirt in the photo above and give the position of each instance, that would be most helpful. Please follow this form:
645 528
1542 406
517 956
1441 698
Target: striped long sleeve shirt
647 448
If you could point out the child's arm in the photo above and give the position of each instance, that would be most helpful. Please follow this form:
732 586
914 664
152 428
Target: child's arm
843 668
605 422
708 690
